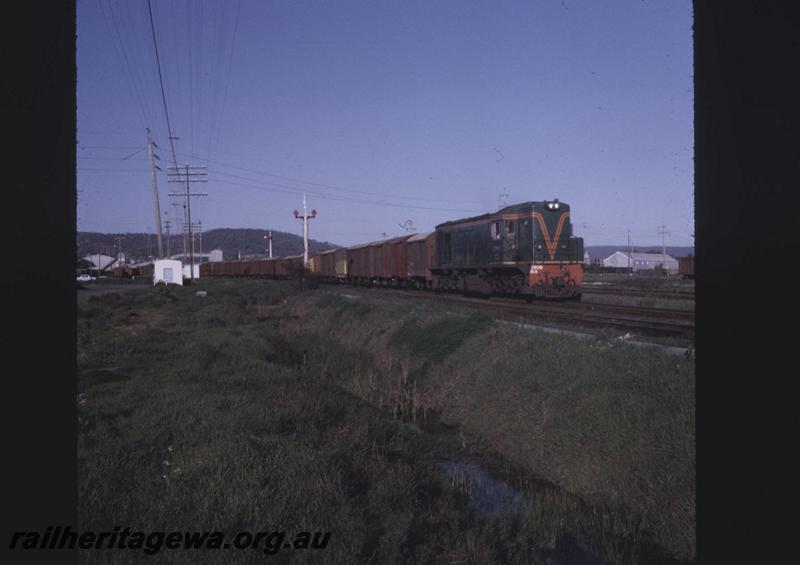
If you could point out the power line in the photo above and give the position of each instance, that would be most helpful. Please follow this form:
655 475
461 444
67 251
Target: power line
113 158
113 170
191 74
95 132
292 190
323 185
161 82
125 147
228 78
130 77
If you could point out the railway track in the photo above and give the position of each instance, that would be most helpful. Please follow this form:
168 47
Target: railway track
642 321
648 321
639 293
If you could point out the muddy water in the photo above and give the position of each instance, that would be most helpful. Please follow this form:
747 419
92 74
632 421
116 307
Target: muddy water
489 494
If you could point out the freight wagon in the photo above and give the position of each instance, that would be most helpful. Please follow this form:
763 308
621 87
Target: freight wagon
686 267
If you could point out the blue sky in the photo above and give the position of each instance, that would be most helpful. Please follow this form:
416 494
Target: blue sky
386 112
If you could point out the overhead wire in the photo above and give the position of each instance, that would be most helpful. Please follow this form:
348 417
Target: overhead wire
214 74
330 186
275 187
114 158
111 170
228 77
161 82
122 56
111 147
128 19
191 76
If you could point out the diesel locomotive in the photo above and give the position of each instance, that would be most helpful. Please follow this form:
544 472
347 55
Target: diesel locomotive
526 249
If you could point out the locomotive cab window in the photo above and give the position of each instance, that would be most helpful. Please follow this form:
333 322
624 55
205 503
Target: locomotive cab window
496 231
510 227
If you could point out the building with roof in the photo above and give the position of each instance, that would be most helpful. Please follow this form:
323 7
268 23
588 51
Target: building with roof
99 261
211 257
641 261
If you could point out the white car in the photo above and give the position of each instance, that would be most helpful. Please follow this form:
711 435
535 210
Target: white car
85 278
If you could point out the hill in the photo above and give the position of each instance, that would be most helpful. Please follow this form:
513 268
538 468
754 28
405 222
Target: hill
139 246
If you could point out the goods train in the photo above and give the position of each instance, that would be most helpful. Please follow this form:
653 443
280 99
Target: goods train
525 250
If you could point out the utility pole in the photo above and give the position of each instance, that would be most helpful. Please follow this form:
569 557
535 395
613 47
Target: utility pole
197 233
662 231
305 217
176 205
629 252
268 236
150 145
187 178
119 239
167 224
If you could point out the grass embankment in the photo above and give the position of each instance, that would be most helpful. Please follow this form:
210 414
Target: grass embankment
255 408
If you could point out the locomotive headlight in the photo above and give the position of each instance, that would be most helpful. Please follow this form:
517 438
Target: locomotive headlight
549 205
556 205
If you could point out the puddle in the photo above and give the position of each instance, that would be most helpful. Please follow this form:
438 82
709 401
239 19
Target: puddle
486 494
490 495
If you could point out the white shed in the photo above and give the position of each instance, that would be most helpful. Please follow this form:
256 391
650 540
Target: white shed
167 271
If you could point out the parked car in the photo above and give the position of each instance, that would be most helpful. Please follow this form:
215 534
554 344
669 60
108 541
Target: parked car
85 278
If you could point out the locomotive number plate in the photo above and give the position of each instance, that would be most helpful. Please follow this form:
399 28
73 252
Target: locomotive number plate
536 269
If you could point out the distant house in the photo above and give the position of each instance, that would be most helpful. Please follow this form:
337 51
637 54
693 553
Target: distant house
211 257
586 259
641 261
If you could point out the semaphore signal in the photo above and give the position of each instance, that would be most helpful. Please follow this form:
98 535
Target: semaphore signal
305 217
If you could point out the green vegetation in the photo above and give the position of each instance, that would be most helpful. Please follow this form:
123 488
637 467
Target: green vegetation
342 306
439 339
258 407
